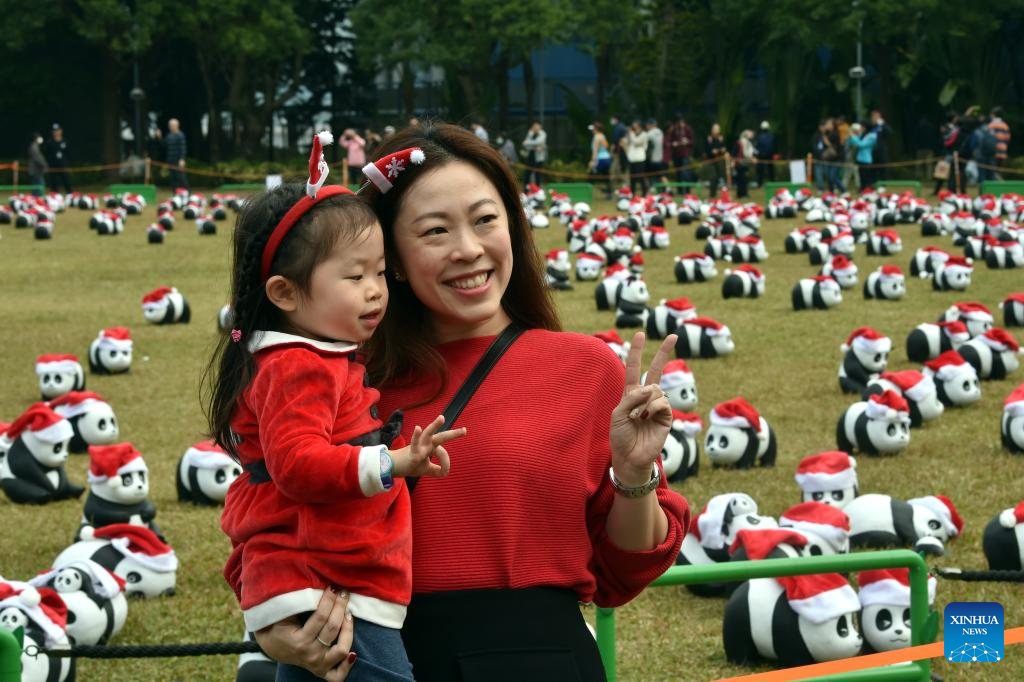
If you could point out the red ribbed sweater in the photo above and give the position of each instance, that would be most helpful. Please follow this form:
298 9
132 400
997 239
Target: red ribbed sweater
528 494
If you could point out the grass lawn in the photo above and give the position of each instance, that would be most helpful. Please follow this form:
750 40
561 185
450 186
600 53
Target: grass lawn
56 295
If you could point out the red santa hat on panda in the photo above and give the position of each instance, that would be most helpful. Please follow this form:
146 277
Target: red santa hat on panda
106 584
57 364
888 406
950 365
750 271
957 265
890 273
557 256
943 508
1008 518
759 543
737 413
687 422
43 606
138 543
956 331
75 403
889 586
710 327
821 597
700 260
826 282
115 338
590 258
825 521
616 271
676 373
207 455
913 384
614 341
1014 404
888 236
969 310
832 470
1000 341
867 340
43 423
680 308
107 463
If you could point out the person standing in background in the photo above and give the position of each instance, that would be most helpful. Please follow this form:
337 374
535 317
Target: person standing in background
849 175
862 141
507 148
1001 131
372 140
56 152
745 155
600 156
480 131
620 164
765 144
536 146
655 151
716 154
880 153
176 150
36 164
680 144
636 154
355 153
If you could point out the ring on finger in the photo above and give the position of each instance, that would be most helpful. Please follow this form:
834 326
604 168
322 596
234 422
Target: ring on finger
323 642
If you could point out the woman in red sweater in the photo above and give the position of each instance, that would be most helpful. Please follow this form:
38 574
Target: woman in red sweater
555 494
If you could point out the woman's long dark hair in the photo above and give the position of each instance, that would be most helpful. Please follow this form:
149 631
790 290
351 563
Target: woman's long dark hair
307 245
404 342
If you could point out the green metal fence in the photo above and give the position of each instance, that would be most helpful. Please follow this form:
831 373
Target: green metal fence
923 625
10 655
1002 187
577 191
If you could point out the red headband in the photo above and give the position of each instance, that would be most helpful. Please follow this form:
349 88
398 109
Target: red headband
293 215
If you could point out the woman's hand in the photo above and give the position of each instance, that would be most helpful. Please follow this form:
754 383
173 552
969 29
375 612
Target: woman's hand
641 421
304 645
416 459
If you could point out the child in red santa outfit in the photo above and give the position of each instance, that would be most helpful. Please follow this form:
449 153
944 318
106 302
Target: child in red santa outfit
320 517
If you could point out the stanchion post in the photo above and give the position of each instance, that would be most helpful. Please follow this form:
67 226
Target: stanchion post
10 656
810 170
148 172
15 167
606 641
956 170
344 171
727 160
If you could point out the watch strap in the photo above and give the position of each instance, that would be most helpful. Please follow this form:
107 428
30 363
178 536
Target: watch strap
637 491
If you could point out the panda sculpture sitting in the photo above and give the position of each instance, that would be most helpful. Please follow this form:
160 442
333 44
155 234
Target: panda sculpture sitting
1003 540
887 283
33 470
666 317
866 354
111 351
91 418
166 305
59 374
694 267
739 436
1013 310
1011 424
928 341
41 615
135 554
606 295
993 354
828 477
956 380
631 309
680 455
556 271
118 489
885 608
825 528
816 293
703 337
97 608
878 426
588 267
679 385
204 474
923 524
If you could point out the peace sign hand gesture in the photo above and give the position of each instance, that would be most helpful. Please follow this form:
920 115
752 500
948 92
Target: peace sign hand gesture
641 421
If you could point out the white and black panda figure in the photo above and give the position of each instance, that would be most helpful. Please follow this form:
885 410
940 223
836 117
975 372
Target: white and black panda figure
666 317
655 237
118 489
1013 310
865 356
225 318
842 269
90 416
708 228
148 566
843 243
720 248
205 472
765 543
111 351
884 243
180 198
928 341
620 246
917 388
923 524
588 267
43 228
631 309
1011 424
636 264
694 267
927 259
828 477
679 385
816 293
606 295
749 249
956 380
1003 540
936 225
744 281
165 219
42 616
953 275
796 621
556 270
97 608
976 316
615 342
166 305
703 337
739 437
887 283
205 224
33 470
994 354
803 239
133 203
255 666
112 224
885 608
217 209
1001 256
59 374
826 528
879 425
155 234
680 455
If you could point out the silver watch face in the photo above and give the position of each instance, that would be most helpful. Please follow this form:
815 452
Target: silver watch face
385 462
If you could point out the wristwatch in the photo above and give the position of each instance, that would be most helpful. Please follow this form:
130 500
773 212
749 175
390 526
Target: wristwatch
387 465
640 490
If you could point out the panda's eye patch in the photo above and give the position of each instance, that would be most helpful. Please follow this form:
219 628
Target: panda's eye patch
891 430
723 442
933 524
883 620
817 497
842 626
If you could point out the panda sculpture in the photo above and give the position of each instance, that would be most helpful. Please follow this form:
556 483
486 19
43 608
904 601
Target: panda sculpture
795 621
928 341
936 225
42 616
917 388
91 418
155 234
118 490
606 295
654 238
745 281
878 426
720 248
953 275
802 239
1011 424
636 264
97 608
588 267
884 243
738 436
1013 310
679 385
204 474
825 528
923 524
166 305
59 374
828 477
956 380
842 243
884 596
111 351
631 308
975 316
1003 540
680 455
612 339
694 267
887 283
33 470
926 260
666 317
977 248
205 224
994 354
165 219
556 270
842 269
750 249
865 356
816 293
43 228
765 543
134 553
703 337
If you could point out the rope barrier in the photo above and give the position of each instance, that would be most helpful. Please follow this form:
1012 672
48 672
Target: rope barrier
980 576
149 650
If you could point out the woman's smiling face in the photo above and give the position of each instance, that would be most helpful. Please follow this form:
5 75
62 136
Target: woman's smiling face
454 248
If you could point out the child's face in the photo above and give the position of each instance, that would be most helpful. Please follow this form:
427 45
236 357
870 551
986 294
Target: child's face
348 294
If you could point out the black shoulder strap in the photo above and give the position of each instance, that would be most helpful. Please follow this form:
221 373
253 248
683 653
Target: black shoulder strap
476 377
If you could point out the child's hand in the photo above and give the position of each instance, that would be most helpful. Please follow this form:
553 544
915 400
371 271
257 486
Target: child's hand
416 458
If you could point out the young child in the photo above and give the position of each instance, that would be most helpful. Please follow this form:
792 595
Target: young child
321 504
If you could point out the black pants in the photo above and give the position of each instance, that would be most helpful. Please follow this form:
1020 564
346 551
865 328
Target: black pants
765 171
178 178
636 179
60 179
867 175
536 634
742 180
717 170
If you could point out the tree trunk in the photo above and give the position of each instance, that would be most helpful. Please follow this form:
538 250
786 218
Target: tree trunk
408 86
110 106
530 85
603 64
469 91
501 74
214 130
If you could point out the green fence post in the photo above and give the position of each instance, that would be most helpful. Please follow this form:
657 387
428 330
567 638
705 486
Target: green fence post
10 656
606 641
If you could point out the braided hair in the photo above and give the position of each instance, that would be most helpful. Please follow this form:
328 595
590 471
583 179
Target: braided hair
307 244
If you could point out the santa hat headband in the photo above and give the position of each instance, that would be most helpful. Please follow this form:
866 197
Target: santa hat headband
822 597
949 366
44 607
110 462
385 170
825 521
43 423
675 374
48 364
736 413
687 422
315 193
1012 407
709 521
104 583
867 340
207 455
115 338
913 384
943 508
138 543
75 403
889 586
1008 518
1000 340
833 470
888 405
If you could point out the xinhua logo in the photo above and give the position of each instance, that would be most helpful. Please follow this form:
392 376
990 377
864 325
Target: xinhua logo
973 632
